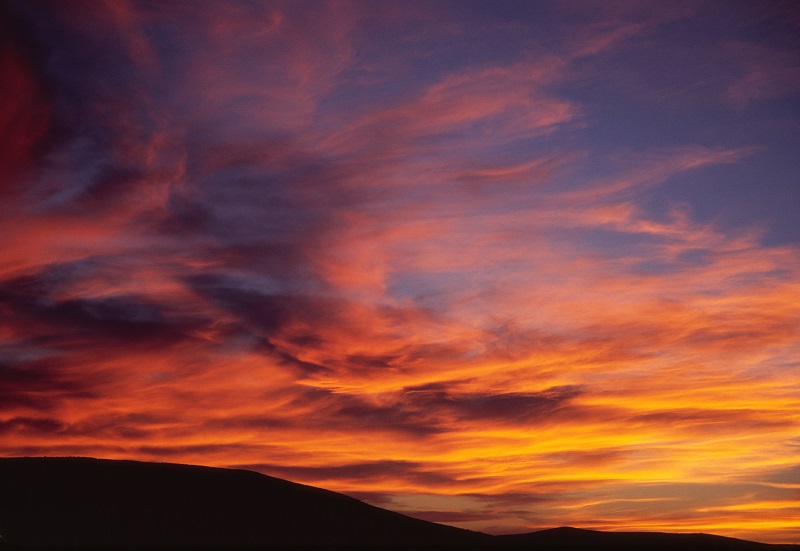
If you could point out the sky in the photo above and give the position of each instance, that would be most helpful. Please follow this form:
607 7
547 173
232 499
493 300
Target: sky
502 265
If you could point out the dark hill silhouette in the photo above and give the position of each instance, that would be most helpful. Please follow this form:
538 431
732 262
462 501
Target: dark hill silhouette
93 502
80 501
568 539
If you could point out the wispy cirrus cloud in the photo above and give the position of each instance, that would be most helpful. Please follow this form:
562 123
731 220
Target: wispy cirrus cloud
262 235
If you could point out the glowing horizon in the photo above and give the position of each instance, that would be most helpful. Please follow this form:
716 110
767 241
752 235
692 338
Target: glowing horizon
506 267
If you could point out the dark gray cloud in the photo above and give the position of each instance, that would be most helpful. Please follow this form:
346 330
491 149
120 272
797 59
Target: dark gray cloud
269 313
35 425
119 427
790 475
422 414
448 517
43 384
96 321
512 407
342 411
379 499
90 159
182 450
408 471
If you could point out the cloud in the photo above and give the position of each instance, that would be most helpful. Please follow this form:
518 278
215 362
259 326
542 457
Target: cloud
32 424
765 71
26 115
437 275
512 408
376 471
41 385
71 321
446 517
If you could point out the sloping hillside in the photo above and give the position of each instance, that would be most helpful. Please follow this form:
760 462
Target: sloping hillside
80 501
94 502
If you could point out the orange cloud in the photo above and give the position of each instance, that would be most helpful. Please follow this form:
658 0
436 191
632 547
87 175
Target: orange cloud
444 302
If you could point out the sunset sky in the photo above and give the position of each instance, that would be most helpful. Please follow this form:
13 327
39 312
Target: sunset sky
506 265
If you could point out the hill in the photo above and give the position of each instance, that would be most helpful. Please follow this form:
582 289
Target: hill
573 539
92 502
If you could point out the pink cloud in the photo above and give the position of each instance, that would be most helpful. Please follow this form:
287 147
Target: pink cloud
434 290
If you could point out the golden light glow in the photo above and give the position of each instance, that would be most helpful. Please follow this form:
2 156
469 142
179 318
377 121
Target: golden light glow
432 293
